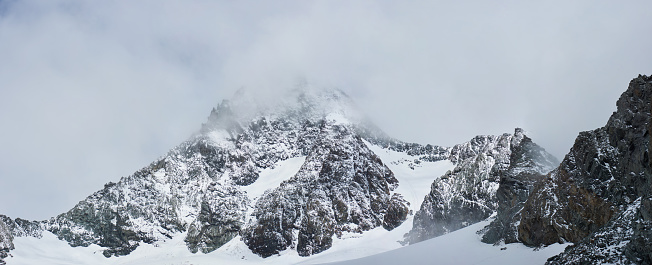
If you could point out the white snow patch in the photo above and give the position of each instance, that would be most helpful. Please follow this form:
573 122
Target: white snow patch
337 118
159 174
414 180
50 250
220 138
354 245
270 178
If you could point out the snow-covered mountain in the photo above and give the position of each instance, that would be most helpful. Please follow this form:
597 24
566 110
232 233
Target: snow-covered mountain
306 178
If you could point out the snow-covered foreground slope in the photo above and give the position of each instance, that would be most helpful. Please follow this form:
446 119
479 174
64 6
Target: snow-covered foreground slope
461 247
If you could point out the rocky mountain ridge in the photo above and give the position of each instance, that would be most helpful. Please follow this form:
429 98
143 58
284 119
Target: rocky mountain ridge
199 188
598 197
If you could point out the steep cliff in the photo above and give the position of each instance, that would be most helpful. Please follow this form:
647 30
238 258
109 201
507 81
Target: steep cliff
599 197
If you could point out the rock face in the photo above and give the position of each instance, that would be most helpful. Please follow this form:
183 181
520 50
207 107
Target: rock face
342 186
10 228
468 194
169 196
219 220
599 197
527 163
6 239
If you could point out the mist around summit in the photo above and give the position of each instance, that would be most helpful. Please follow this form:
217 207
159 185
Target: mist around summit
98 90
314 132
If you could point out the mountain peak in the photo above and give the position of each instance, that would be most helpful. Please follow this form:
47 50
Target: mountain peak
301 103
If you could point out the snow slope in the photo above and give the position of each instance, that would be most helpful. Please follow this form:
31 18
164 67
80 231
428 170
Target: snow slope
270 178
414 178
461 247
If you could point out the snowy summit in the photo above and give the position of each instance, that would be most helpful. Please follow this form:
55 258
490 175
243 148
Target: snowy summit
305 178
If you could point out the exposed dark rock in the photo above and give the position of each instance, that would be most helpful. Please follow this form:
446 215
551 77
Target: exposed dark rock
527 162
219 220
317 227
639 248
6 239
598 197
558 212
606 244
119 216
397 212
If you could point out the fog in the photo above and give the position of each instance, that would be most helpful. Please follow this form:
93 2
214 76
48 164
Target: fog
93 91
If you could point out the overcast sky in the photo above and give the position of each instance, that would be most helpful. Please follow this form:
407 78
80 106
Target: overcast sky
91 91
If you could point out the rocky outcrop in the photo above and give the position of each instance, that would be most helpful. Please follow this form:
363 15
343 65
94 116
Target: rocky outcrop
599 195
219 220
396 213
10 228
528 162
150 205
559 212
468 194
608 243
342 186
639 248
6 239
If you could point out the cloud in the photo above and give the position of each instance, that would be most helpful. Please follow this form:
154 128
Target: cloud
92 91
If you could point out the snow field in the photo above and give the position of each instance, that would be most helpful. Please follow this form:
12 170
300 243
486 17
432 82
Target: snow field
461 247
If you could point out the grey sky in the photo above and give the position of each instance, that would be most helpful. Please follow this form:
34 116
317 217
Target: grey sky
92 91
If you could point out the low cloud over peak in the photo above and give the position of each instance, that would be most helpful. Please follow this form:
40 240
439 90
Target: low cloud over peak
92 91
